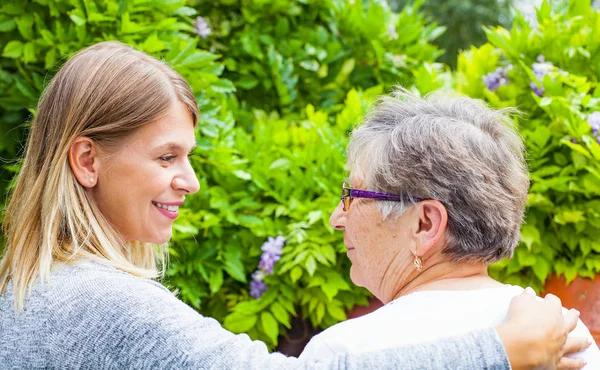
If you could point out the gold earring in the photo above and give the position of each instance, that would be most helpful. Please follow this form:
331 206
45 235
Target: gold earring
417 262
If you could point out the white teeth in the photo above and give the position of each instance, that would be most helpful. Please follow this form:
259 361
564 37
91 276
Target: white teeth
168 208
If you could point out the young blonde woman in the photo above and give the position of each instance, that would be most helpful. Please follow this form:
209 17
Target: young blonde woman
105 170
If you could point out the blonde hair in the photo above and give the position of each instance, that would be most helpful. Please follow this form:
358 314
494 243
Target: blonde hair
105 92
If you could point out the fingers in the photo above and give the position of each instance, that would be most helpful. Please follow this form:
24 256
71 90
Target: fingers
570 364
554 300
576 344
571 319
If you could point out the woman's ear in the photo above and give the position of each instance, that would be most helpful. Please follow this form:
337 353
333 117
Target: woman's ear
83 159
431 231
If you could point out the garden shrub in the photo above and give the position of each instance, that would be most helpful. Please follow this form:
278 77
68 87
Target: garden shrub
550 72
285 54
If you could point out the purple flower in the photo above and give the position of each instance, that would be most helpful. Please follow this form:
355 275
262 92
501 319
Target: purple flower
267 262
273 245
272 250
539 91
540 69
594 121
201 28
494 80
257 287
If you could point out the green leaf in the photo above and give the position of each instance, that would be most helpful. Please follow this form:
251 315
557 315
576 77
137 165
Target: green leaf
311 265
215 281
281 163
186 11
239 322
242 175
7 25
336 312
530 235
541 268
14 49
247 82
296 274
25 25
77 17
233 264
269 326
29 53
281 314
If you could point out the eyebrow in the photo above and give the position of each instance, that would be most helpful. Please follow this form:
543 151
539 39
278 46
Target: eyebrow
174 146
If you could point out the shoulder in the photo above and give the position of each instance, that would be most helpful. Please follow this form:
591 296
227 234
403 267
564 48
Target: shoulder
101 314
107 293
346 335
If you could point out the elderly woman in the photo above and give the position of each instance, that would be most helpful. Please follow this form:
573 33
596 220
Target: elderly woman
437 192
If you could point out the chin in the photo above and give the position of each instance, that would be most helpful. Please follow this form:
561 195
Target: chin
354 276
160 239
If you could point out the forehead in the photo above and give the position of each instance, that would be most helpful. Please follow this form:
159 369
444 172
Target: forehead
174 129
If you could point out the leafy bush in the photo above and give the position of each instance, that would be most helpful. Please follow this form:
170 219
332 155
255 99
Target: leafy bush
463 21
285 54
550 72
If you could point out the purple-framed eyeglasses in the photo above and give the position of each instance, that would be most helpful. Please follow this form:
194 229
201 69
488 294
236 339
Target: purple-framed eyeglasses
350 193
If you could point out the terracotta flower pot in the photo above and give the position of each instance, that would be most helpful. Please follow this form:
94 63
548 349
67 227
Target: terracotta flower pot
581 294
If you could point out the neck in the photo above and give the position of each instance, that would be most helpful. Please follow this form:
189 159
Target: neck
442 275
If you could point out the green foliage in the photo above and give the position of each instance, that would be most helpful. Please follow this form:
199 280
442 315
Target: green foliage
562 230
463 21
285 54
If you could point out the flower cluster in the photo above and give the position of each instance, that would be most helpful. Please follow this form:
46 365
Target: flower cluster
499 77
272 250
540 69
201 28
594 121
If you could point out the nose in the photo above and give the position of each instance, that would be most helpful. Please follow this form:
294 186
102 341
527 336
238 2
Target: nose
337 220
186 181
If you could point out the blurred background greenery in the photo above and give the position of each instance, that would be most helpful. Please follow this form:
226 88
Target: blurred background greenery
281 83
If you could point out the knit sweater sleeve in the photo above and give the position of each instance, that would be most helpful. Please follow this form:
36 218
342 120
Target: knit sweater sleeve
137 324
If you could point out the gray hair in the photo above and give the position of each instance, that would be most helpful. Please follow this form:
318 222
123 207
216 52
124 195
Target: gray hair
456 150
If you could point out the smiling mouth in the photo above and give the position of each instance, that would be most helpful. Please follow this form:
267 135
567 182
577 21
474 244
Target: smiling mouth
166 207
169 210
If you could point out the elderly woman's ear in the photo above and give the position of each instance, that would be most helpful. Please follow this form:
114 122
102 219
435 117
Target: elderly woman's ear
432 220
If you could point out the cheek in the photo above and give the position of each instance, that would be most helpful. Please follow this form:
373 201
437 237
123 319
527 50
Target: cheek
371 257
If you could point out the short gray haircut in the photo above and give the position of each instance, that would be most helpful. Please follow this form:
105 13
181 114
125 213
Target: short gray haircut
456 150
